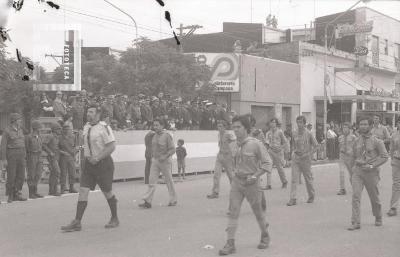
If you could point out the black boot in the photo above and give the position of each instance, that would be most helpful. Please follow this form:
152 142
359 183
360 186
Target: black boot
229 248
72 189
32 192
36 193
10 198
18 196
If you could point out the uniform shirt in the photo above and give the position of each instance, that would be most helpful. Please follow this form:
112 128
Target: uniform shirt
12 138
33 143
224 142
276 140
258 134
162 145
380 132
67 144
181 152
346 144
370 150
395 145
58 108
100 135
303 144
250 157
52 146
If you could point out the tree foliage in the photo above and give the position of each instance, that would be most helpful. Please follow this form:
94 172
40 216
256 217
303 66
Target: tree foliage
151 68
14 92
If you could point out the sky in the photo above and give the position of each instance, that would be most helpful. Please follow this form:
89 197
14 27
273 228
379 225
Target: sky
30 33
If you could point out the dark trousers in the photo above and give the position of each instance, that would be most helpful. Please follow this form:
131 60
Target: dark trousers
34 168
67 168
147 170
16 164
54 177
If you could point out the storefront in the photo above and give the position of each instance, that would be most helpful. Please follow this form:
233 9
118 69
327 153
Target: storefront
352 108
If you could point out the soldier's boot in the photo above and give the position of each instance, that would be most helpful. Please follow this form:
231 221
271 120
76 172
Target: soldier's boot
378 221
72 189
229 248
291 202
354 226
264 241
213 195
342 192
10 198
37 194
113 223
392 212
32 192
75 225
18 196
63 189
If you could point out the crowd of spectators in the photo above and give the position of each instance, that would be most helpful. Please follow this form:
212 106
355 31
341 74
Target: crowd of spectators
135 112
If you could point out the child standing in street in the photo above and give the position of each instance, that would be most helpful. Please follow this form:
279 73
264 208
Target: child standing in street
180 155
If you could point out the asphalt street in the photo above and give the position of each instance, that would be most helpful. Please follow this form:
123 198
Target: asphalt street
196 226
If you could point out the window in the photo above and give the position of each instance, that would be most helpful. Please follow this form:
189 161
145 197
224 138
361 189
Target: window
386 47
375 50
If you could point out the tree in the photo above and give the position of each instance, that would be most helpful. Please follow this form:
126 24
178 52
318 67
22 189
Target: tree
14 92
164 69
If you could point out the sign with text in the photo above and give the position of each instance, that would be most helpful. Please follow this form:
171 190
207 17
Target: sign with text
360 50
351 29
64 55
224 70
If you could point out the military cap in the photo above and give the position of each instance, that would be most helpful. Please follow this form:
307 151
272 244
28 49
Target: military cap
36 124
15 117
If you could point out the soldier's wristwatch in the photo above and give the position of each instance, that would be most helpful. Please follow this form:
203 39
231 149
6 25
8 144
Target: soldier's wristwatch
370 166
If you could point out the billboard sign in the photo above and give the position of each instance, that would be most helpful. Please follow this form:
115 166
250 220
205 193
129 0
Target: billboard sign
360 50
351 29
68 49
224 70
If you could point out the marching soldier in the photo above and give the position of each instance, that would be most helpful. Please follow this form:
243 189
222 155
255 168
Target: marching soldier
304 144
163 148
53 155
13 156
395 154
346 160
224 157
67 159
277 145
251 161
34 143
369 153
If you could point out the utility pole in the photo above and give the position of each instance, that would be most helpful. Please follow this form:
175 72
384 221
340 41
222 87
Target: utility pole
184 36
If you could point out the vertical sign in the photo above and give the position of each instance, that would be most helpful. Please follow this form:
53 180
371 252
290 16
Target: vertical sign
68 58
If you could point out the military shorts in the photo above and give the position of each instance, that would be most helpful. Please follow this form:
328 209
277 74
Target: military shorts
102 174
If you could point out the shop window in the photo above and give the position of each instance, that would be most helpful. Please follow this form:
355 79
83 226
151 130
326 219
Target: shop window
389 106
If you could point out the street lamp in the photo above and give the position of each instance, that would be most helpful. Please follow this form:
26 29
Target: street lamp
136 30
326 56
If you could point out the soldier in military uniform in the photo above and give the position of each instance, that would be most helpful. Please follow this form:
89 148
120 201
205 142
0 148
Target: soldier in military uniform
395 154
67 159
277 145
251 161
369 154
34 143
346 160
99 144
53 155
224 157
13 156
163 148
304 144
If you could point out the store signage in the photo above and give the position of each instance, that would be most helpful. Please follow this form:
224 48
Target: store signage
351 29
360 50
373 106
224 70
380 92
